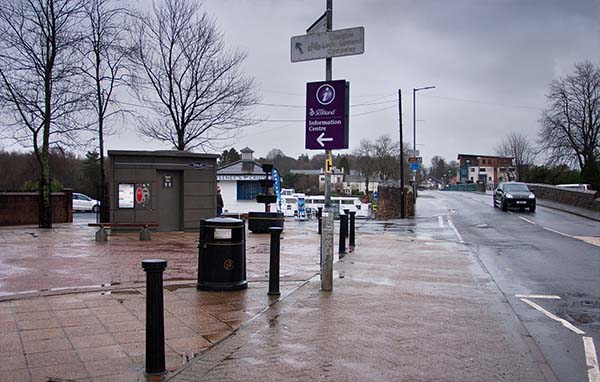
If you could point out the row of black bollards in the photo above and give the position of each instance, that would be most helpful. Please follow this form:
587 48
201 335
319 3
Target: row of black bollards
154 268
348 218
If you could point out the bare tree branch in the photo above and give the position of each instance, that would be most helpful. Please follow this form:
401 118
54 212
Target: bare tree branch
518 147
570 132
40 79
192 84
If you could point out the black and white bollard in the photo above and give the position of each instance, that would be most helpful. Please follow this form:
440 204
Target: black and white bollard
319 216
274 261
343 233
155 319
351 244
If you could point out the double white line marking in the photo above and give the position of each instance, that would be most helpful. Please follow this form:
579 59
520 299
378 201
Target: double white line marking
588 342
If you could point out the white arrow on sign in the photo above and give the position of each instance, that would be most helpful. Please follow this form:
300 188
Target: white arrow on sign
321 138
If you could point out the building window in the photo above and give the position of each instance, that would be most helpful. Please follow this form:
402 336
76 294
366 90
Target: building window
248 189
490 178
472 169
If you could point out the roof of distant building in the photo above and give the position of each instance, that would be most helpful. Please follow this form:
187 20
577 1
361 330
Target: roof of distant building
306 172
482 156
241 168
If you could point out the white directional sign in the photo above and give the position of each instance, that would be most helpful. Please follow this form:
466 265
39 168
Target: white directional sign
316 46
318 26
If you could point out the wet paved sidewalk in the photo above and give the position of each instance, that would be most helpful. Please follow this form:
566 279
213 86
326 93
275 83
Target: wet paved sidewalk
408 304
74 309
402 309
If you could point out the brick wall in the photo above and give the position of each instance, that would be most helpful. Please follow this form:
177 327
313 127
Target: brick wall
578 198
21 208
388 206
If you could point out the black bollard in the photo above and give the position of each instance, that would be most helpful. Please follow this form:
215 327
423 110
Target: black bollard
274 261
352 226
155 319
347 213
342 240
319 216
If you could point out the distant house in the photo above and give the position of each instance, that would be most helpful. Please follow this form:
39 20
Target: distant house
239 183
355 182
336 176
486 169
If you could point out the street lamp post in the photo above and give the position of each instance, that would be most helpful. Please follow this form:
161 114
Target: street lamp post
415 90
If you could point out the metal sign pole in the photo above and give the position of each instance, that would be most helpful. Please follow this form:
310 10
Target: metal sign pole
402 199
327 219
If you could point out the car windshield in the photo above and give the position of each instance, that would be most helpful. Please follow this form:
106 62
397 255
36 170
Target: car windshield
515 188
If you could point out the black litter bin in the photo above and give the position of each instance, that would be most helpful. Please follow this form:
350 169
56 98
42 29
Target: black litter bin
222 255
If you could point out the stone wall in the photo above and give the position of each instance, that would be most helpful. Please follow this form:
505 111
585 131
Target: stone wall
21 208
578 198
388 206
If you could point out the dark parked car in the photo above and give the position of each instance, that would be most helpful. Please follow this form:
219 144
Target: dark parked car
514 195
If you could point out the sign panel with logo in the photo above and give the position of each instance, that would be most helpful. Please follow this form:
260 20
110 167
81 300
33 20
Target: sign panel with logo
326 115
142 194
414 167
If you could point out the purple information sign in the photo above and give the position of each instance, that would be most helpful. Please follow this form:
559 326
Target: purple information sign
326 120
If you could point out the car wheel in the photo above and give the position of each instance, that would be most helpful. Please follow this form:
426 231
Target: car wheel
494 202
503 206
532 209
96 209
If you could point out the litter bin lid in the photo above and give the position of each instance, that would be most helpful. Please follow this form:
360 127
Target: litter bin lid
224 222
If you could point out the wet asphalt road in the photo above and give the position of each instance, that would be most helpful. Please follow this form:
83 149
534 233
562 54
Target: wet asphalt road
547 253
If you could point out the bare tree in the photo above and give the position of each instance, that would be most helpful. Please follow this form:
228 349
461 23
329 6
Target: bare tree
518 147
190 81
365 161
387 154
40 90
570 132
104 67
439 168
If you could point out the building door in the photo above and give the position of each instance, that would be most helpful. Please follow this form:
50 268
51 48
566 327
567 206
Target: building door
169 202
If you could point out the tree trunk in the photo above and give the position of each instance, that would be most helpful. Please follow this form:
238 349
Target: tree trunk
45 211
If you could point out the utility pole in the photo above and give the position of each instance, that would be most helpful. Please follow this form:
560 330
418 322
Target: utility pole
402 199
327 218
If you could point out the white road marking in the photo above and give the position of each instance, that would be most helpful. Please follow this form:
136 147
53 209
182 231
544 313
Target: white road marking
558 232
541 296
564 322
460 239
591 360
441 221
527 220
512 213
594 240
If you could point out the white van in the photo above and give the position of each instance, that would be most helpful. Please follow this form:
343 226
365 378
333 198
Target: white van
575 186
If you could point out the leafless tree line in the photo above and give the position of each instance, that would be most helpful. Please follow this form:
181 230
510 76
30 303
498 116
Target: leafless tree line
62 62
570 127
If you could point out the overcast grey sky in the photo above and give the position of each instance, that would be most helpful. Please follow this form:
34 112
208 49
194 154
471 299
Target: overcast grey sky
490 60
